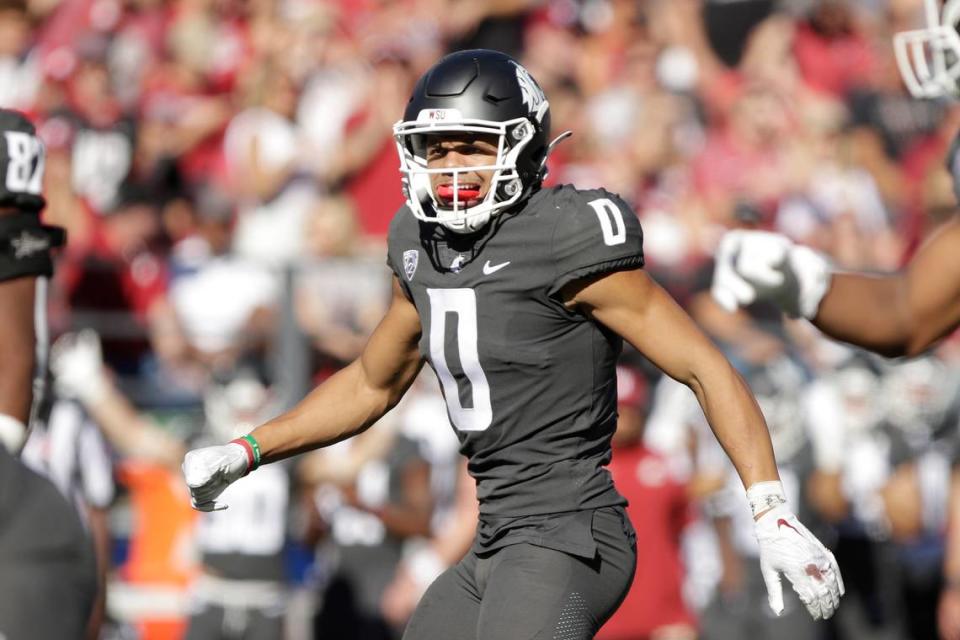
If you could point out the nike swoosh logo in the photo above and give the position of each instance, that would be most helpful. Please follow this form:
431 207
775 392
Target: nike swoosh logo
493 268
783 523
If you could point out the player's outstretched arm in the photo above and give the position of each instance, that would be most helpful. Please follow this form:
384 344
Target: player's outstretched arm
896 314
900 314
636 308
79 372
342 406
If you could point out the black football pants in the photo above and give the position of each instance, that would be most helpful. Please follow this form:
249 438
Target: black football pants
527 592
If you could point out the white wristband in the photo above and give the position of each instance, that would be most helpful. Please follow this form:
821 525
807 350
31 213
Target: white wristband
765 495
13 433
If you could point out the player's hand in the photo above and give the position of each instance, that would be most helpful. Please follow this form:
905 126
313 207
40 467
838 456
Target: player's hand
788 548
759 265
77 365
210 470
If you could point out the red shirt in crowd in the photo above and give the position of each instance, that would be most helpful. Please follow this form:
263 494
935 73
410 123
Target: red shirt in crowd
659 510
833 65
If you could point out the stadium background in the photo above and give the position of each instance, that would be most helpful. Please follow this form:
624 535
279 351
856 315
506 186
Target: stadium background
226 173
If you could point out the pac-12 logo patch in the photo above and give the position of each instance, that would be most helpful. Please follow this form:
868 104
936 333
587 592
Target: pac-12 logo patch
410 259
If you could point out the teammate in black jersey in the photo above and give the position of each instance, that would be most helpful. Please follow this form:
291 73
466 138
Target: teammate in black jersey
519 297
47 569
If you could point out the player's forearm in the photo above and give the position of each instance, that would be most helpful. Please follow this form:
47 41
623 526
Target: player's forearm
343 406
901 314
17 344
868 311
736 420
130 433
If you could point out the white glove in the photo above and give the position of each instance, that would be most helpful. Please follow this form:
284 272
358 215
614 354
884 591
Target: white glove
787 547
77 366
758 265
210 470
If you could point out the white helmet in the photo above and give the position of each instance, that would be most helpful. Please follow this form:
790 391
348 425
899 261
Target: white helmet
929 58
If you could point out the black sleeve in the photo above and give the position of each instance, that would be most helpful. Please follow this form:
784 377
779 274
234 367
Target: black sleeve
595 232
25 246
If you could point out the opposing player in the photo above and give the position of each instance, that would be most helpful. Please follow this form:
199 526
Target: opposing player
904 313
897 314
518 297
47 558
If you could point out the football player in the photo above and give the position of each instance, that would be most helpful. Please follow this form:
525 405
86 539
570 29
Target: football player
904 313
47 558
519 297
899 314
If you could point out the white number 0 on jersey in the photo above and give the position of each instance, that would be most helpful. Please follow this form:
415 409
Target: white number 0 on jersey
463 303
611 221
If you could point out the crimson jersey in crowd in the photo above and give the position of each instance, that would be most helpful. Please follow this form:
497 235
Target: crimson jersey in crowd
659 510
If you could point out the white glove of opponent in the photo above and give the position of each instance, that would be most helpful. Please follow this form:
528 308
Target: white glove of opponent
210 470
787 547
759 265
77 365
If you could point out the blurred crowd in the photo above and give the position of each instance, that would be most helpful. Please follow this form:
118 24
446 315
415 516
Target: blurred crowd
226 172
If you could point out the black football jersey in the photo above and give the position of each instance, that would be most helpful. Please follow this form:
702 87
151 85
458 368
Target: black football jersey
530 386
21 163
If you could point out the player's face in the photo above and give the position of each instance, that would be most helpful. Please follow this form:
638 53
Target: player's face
458 151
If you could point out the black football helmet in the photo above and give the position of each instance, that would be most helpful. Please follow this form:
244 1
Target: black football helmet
479 91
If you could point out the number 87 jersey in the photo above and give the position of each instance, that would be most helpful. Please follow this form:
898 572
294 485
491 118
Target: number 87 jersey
530 385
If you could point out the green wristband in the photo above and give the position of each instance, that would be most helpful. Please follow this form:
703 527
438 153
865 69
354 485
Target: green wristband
256 450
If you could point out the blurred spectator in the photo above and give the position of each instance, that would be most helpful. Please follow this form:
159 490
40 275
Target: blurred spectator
341 293
221 303
240 590
117 284
104 133
422 416
264 156
922 411
654 609
832 54
368 517
746 159
851 453
19 60
370 153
